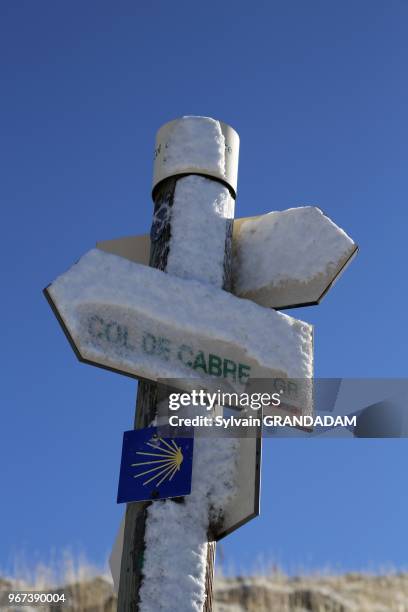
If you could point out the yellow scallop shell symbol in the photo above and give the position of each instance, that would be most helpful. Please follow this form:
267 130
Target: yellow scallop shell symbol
165 463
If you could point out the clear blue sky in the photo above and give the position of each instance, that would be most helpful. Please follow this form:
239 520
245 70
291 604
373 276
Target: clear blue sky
318 92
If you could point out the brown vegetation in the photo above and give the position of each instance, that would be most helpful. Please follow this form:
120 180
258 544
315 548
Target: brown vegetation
356 592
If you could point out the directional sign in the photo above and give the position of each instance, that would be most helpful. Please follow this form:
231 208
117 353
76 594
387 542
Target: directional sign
290 258
281 260
137 248
153 467
144 323
245 505
134 248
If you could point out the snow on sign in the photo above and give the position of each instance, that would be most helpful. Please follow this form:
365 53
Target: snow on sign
144 323
283 259
153 467
238 508
289 258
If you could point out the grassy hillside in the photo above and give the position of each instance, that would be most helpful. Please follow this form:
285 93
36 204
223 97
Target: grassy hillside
275 593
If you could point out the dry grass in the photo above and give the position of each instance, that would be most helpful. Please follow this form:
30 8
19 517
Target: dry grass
56 571
267 589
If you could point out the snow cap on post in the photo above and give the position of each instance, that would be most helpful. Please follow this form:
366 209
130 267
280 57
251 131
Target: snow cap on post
197 145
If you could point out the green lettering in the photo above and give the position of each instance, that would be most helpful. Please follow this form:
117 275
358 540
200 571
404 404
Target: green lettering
126 339
163 348
93 328
199 362
230 367
181 355
118 332
214 365
149 343
241 372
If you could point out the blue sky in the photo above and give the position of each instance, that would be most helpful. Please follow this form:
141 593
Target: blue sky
318 93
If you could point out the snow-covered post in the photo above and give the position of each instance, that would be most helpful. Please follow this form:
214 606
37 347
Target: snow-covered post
168 556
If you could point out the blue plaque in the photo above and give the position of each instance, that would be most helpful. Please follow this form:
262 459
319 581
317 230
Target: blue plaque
154 467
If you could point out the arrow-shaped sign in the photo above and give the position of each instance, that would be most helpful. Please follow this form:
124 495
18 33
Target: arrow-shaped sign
289 258
145 323
281 260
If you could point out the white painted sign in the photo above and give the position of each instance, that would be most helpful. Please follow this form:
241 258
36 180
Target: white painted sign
145 323
289 258
280 260
137 248
245 505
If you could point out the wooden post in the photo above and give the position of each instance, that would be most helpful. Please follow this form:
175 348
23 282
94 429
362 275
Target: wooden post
131 574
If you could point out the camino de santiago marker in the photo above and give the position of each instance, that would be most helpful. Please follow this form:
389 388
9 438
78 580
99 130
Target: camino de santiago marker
183 318
154 467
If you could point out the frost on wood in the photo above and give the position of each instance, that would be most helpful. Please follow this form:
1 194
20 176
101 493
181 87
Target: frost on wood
195 142
290 257
176 533
145 322
201 211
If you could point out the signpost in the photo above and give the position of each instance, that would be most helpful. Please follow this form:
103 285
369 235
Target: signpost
180 321
295 271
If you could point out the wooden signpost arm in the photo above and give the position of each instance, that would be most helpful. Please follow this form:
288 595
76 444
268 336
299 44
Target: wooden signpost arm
131 574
